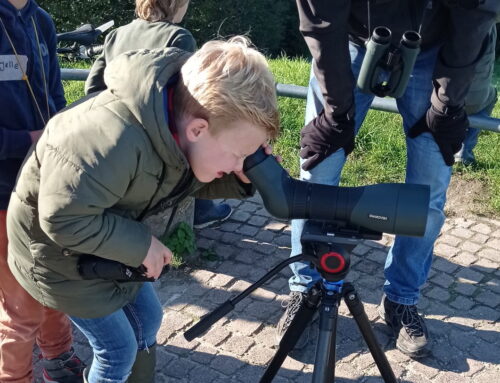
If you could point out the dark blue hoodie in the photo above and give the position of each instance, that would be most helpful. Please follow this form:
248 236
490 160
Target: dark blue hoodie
18 113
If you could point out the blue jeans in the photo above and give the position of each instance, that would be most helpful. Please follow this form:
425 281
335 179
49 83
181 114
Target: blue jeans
116 338
409 259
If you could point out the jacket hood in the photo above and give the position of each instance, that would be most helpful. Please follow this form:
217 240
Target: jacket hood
137 79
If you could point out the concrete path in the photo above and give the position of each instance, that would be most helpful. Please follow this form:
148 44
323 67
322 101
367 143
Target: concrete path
461 304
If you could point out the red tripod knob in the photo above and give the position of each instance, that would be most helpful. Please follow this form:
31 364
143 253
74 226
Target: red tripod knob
332 262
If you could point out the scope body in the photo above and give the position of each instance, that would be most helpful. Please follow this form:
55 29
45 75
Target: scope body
389 208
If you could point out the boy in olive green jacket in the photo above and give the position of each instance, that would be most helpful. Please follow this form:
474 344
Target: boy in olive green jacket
168 126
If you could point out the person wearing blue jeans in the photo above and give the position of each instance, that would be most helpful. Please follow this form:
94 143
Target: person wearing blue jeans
124 338
434 123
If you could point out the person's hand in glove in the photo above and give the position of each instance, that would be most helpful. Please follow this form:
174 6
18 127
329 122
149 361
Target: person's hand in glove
448 129
322 137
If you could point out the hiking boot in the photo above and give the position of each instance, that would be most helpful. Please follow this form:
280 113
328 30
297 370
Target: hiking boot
408 326
66 368
207 212
291 306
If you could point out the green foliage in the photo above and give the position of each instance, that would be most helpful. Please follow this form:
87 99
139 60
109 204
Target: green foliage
69 14
181 242
272 25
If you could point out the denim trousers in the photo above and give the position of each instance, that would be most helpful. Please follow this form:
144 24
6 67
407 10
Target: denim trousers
116 338
409 259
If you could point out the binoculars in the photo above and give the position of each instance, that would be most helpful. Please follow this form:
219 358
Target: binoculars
386 69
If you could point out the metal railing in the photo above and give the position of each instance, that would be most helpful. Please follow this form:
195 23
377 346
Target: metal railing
296 91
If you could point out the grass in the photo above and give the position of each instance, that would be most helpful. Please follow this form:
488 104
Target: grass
380 152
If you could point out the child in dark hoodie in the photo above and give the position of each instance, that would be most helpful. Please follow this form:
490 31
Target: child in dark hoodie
30 93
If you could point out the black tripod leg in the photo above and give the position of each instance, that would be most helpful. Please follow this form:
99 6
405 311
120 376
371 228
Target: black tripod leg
358 312
300 321
324 363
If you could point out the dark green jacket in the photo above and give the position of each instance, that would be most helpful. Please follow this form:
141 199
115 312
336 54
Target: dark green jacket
139 34
93 172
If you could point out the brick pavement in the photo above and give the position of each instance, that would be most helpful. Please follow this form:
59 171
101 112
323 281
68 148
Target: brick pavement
461 303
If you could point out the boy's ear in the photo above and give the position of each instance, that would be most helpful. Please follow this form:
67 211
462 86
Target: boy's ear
196 128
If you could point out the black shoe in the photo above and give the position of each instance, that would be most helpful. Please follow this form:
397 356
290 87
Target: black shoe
408 326
292 305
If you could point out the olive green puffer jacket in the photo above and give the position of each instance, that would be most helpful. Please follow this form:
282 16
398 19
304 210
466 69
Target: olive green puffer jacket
94 171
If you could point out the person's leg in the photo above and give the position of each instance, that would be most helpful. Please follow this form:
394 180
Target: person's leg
410 258
117 338
329 170
145 316
208 212
21 318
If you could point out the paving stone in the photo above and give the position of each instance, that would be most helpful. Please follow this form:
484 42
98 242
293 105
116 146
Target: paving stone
445 250
481 228
461 232
462 303
443 280
179 367
443 264
240 216
479 238
248 230
227 364
450 240
465 258
489 253
250 207
488 298
237 344
469 275
470 247
438 293
275 226
260 355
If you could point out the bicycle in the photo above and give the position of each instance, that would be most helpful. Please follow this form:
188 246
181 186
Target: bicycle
81 43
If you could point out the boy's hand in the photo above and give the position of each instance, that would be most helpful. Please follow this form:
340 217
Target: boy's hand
269 150
158 256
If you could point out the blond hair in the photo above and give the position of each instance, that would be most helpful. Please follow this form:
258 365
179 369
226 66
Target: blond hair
158 10
226 81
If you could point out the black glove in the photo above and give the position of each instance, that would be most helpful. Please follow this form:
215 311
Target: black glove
448 129
320 138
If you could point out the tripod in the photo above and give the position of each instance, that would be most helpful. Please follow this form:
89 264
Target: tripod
325 247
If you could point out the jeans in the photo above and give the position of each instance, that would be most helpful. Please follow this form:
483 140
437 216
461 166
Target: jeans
116 338
466 154
409 259
24 321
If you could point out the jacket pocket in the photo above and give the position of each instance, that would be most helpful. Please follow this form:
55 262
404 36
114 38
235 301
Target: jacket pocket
50 265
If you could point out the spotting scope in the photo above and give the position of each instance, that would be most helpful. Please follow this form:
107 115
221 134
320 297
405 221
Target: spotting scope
393 208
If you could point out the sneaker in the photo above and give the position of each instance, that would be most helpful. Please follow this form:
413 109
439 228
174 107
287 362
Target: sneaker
408 326
291 306
207 212
66 368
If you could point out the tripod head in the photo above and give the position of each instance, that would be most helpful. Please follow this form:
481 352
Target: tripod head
327 246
